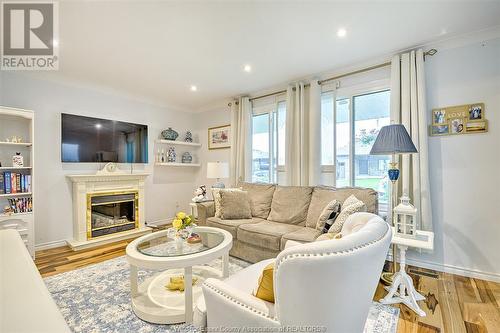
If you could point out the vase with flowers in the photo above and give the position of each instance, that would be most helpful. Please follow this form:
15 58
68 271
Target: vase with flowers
182 228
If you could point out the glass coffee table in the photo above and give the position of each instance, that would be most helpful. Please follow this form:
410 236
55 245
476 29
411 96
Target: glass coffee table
151 300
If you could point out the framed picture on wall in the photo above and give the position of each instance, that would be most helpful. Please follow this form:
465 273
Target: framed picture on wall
219 137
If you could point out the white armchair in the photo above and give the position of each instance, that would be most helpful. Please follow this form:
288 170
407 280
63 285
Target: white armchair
326 284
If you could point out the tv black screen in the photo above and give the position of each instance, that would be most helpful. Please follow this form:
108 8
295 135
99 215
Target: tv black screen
86 139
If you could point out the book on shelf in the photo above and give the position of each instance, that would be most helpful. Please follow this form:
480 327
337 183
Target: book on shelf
11 182
21 205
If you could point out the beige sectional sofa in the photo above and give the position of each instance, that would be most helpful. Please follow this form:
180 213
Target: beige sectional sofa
279 214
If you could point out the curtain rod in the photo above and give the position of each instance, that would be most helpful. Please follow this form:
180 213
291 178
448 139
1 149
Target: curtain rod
354 72
431 52
259 97
267 95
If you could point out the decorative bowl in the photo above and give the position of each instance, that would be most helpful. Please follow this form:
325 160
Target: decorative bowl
169 134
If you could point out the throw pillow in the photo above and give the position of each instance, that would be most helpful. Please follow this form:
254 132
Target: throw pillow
234 205
350 206
329 213
265 287
216 196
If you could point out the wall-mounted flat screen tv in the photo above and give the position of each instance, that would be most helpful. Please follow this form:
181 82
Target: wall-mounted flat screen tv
86 139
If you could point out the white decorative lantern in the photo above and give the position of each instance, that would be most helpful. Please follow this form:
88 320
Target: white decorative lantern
405 218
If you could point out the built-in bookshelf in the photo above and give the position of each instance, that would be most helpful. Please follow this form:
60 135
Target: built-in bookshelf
17 182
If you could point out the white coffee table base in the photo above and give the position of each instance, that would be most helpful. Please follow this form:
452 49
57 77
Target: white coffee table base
402 289
155 304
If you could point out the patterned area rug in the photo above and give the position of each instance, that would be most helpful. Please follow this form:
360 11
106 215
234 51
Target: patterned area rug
97 299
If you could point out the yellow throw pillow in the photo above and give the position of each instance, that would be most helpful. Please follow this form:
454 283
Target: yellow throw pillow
265 288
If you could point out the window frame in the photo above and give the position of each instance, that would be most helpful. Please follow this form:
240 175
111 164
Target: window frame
271 109
350 93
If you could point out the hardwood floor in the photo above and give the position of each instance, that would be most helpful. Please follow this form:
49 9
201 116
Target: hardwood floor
454 304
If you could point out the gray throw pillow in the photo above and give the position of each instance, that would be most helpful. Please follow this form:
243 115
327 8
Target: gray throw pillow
234 205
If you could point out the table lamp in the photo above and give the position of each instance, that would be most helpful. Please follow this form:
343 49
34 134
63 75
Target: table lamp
218 170
392 140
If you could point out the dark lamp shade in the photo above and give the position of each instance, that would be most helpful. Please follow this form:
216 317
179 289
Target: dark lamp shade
393 139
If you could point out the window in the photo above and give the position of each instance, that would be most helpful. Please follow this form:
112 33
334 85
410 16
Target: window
268 142
358 119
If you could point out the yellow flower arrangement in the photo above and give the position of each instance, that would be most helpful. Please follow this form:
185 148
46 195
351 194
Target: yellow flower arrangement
177 224
182 220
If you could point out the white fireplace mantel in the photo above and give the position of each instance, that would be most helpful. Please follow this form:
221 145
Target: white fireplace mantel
107 177
104 181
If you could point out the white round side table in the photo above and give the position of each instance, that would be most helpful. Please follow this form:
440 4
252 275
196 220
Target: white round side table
154 303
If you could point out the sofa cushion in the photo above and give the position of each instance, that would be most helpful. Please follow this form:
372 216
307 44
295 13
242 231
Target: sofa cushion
290 204
322 195
265 234
260 196
234 205
230 225
302 235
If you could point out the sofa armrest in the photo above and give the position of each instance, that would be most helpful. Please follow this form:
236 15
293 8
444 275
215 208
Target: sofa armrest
245 309
205 210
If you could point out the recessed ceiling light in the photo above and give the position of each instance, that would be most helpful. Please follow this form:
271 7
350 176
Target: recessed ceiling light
193 88
98 126
247 68
341 32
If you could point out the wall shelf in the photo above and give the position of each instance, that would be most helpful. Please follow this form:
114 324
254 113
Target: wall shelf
14 215
14 195
23 144
15 168
175 164
179 143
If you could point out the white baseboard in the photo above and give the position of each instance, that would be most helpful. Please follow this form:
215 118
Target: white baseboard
451 269
50 245
160 222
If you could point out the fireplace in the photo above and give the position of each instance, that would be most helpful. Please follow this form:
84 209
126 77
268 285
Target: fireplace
111 212
107 207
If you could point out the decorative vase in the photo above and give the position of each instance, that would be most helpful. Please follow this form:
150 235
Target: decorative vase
171 155
187 158
17 160
169 134
189 137
179 242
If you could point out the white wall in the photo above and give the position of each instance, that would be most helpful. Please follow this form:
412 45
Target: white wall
218 116
166 188
464 169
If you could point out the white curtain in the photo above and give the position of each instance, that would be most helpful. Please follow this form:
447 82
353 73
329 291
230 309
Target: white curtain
314 133
296 136
241 141
408 107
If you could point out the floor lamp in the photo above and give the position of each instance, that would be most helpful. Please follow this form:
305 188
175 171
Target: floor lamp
392 140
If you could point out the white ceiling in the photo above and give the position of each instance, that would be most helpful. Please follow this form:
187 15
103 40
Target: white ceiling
156 49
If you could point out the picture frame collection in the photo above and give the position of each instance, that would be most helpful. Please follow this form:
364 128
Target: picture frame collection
460 119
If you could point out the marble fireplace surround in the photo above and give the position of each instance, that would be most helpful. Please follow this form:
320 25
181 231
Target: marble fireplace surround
101 182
